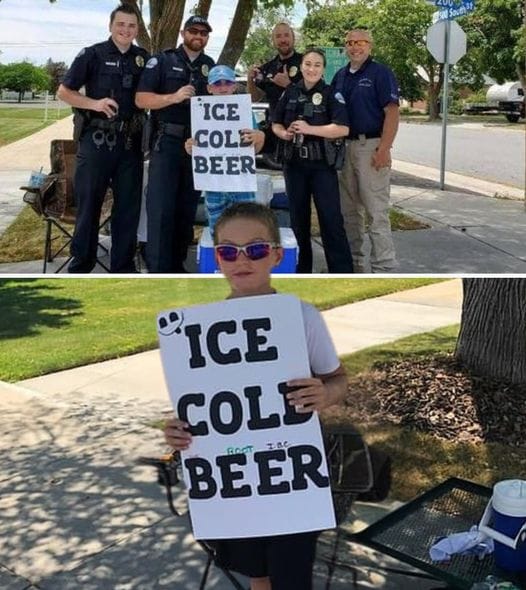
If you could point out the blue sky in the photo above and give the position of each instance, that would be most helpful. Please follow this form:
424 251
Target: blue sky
36 30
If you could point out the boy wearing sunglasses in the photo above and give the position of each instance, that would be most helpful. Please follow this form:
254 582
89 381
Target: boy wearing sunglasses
221 82
247 248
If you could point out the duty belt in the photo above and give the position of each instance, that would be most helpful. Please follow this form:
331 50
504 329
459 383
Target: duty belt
111 126
354 136
309 151
173 129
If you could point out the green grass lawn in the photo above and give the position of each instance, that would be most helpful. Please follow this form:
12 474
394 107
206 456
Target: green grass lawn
51 324
16 123
24 238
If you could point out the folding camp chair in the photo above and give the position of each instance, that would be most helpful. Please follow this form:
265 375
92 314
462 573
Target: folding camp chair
168 468
54 201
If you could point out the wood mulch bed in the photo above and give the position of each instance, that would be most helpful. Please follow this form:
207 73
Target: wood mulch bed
438 396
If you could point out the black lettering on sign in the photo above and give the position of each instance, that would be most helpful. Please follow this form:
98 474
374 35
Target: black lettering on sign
200 164
255 341
196 356
236 412
202 484
228 476
212 342
306 460
192 399
266 473
291 416
256 422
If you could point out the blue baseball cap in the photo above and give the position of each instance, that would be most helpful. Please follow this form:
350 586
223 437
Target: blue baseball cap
221 73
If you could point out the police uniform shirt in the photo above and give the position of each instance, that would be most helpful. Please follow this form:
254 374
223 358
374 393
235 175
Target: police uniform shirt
169 71
367 92
274 66
106 72
320 105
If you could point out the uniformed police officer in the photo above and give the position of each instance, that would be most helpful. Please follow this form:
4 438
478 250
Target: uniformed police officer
108 127
169 80
270 79
308 115
371 93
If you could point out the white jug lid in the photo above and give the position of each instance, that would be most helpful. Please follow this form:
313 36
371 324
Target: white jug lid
509 497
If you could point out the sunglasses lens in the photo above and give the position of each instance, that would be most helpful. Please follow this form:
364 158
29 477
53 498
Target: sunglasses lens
228 253
258 251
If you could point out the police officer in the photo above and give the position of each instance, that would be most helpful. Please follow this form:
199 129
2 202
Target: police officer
108 128
308 115
371 93
169 80
270 79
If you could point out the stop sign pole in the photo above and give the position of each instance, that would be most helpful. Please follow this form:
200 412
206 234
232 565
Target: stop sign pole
446 42
445 105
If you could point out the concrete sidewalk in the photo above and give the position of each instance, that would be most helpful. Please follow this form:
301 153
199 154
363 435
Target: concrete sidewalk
78 514
470 230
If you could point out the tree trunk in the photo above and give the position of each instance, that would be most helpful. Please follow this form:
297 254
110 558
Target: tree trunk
492 338
203 8
143 38
233 47
165 19
433 90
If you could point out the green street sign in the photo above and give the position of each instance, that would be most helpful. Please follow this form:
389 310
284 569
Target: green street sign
336 59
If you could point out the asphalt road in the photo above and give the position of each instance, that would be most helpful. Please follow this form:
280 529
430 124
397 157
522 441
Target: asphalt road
496 154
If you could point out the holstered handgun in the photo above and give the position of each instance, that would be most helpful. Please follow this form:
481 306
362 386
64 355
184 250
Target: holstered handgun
146 135
284 151
334 153
79 122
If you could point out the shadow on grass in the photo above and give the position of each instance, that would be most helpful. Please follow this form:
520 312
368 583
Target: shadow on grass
27 305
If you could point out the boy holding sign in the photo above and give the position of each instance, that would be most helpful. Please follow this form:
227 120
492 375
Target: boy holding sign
222 82
247 247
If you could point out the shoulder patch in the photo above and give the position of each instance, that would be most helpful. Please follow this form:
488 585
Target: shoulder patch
339 97
151 63
81 52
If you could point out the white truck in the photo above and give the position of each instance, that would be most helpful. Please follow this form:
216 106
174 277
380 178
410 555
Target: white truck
507 98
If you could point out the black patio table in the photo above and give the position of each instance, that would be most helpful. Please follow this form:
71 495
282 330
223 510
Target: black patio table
407 533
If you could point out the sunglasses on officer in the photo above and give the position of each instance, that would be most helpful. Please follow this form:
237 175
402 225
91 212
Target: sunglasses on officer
254 251
357 42
200 32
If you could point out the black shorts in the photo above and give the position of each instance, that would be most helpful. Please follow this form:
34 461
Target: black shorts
286 559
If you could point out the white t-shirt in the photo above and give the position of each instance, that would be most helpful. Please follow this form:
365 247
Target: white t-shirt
322 353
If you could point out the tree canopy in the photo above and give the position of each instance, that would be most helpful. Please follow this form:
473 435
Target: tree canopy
22 77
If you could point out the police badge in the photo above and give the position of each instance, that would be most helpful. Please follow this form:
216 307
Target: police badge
204 70
317 98
293 70
139 60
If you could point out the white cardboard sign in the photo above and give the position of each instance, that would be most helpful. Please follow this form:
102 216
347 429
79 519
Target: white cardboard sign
220 161
255 467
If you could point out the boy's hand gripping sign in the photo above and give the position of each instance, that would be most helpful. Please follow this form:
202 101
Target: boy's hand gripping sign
255 467
220 160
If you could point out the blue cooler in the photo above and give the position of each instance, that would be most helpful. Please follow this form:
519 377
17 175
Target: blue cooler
207 264
507 512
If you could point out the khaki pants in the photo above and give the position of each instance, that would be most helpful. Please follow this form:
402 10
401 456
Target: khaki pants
364 195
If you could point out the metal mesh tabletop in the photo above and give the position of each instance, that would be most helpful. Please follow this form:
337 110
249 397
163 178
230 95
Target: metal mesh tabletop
408 532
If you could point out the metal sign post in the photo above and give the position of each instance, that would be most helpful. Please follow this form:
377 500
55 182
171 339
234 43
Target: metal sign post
446 41
445 97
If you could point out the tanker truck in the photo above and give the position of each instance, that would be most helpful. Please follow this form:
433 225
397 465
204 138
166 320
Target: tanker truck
507 98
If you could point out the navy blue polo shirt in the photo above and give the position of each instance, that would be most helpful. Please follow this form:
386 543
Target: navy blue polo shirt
169 71
106 72
271 68
367 92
